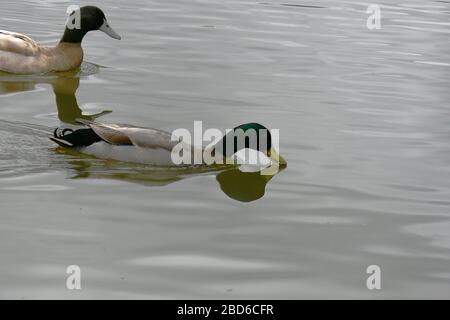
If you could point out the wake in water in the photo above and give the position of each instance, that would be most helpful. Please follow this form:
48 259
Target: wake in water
23 148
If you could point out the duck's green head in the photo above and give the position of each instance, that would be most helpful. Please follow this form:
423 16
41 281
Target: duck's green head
252 136
85 19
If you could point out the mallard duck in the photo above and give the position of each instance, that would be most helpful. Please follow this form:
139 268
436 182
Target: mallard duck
21 55
152 146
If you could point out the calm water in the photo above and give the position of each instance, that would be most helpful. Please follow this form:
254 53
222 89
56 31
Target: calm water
364 125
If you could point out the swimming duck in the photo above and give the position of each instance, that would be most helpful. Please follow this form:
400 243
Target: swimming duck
152 146
21 55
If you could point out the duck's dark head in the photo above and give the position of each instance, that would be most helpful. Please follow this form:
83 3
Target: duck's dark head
84 19
241 138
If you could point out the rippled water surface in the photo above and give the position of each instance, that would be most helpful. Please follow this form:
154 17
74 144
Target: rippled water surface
364 125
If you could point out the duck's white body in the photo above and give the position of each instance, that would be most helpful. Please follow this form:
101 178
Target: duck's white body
20 54
161 156
104 150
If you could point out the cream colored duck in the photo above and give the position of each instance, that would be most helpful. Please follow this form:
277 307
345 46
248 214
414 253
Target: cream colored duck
152 146
21 55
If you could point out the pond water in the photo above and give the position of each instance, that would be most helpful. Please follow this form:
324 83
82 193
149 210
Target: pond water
364 126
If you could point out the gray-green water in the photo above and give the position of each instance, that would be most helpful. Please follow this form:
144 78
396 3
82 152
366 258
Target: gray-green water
364 125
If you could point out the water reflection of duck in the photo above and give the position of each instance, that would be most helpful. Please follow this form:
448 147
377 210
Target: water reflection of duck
66 101
21 55
238 185
243 186
64 88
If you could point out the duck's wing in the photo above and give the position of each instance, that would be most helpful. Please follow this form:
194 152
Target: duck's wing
107 132
18 43
123 134
150 138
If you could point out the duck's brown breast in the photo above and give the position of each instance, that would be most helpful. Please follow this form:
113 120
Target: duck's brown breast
63 57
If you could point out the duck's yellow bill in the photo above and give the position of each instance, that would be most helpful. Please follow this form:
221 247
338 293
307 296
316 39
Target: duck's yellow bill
277 157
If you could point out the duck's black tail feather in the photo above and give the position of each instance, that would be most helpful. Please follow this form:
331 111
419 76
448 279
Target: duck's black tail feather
69 138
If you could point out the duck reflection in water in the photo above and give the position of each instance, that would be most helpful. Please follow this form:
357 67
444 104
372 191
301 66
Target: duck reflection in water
65 86
66 101
236 184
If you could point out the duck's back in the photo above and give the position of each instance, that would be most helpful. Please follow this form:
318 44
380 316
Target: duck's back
18 43
21 55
